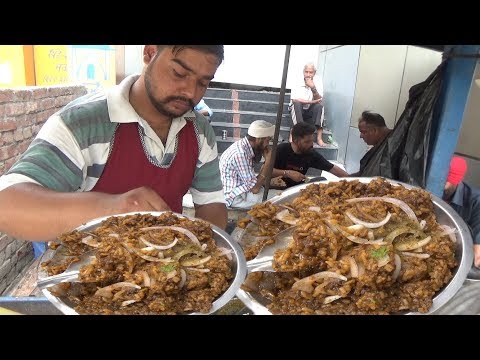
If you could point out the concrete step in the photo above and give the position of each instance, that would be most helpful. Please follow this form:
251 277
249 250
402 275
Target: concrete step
247 117
262 95
259 95
218 93
217 104
240 130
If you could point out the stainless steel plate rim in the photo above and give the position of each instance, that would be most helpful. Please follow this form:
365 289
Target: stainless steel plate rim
464 237
219 234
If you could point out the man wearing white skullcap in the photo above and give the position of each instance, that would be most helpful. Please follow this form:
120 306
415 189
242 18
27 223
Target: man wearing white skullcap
241 186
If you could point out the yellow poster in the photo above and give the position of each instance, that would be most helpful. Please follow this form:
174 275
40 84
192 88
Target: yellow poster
12 66
51 65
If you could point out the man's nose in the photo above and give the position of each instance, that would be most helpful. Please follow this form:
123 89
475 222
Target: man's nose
189 89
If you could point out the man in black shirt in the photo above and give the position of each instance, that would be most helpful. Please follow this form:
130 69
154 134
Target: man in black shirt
293 160
373 131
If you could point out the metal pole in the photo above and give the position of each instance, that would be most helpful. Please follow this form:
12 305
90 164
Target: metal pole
456 85
279 120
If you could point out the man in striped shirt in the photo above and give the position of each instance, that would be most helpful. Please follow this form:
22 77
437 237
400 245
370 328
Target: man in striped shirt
138 146
241 186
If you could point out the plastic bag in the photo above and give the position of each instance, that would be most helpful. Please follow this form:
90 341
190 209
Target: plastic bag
403 155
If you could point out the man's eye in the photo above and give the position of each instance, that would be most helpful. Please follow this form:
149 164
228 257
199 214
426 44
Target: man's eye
178 74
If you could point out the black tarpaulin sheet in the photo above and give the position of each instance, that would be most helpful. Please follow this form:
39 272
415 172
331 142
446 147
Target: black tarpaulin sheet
403 155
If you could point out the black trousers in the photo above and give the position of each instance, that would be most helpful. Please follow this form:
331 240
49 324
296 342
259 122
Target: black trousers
312 115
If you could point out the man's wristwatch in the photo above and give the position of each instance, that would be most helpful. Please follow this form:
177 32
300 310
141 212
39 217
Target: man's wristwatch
314 89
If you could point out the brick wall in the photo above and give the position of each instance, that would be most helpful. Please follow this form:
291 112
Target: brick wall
23 111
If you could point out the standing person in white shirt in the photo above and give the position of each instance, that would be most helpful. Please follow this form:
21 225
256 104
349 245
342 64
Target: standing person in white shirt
306 101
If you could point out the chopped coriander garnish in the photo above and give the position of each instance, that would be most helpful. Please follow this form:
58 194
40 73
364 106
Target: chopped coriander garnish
379 253
168 268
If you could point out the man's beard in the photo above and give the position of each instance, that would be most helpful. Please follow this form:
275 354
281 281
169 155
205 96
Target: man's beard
257 155
160 105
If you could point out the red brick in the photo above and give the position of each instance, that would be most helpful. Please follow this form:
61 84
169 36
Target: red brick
31 106
40 93
42 116
18 135
30 119
21 121
14 109
7 152
8 124
61 101
54 91
27 132
79 90
22 95
23 146
6 95
9 163
6 137
46 103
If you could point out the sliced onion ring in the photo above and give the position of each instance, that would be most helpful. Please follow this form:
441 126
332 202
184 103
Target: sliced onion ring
412 245
417 255
403 205
159 247
369 225
398 267
184 231
449 231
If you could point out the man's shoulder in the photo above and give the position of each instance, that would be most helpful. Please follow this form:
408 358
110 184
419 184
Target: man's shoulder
234 149
474 191
283 146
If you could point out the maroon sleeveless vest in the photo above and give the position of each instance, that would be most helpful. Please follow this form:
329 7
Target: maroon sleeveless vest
128 167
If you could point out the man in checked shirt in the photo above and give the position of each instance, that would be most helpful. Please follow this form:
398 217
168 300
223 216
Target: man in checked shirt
241 186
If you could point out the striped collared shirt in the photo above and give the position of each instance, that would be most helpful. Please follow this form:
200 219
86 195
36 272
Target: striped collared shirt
236 169
72 147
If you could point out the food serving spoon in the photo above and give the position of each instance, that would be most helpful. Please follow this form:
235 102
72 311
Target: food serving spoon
263 260
70 274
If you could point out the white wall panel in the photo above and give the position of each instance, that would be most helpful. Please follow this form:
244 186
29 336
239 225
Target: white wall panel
468 140
420 63
379 81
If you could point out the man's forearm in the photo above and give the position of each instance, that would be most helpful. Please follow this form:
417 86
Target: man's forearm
302 101
31 212
215 213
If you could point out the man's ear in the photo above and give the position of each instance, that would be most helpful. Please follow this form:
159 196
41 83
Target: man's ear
148 53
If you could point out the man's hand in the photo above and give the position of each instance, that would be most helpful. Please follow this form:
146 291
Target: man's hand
295 175
277 182
476 254
139 199
267 152
309 82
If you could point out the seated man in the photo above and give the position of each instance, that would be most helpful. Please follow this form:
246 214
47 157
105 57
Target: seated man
465 200
241 186
203 109
306 101
293 160
373 131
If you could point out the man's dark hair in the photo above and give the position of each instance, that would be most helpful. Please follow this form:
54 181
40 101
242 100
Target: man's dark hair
216 50
299 130
372 118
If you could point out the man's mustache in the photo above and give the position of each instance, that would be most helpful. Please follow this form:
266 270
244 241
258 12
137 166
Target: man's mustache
174 98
